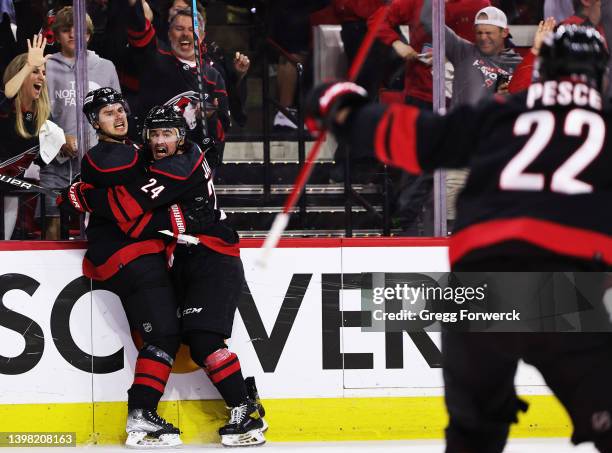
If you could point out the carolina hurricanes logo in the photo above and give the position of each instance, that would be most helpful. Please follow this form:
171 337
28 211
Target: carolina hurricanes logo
189 103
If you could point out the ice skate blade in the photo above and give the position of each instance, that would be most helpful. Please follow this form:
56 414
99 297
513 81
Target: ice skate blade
249 439
140 440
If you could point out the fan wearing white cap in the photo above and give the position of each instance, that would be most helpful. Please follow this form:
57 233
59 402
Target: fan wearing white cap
491 28
484 67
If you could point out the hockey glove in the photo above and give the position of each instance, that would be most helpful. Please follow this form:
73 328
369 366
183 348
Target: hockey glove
325 101
213 153
73 198
193 218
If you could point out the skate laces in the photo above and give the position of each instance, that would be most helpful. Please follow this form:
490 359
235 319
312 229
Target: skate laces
238 414
158 419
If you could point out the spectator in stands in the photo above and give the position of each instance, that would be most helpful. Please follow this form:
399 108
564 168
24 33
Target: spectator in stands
413 191
291 31
24 125
586 12
62 94
558 9
478 67
169 77
353 17
163 10
8 46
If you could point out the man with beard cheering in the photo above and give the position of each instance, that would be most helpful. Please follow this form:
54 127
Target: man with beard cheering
170 77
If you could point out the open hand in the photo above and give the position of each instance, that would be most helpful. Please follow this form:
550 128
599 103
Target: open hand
544 28
36 49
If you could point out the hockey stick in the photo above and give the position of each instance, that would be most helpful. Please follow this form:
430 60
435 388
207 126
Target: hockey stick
24 185
282 219
199 70
188 238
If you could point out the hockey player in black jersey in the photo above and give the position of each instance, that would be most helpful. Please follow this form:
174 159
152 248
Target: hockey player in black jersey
537 199
208 277
132 268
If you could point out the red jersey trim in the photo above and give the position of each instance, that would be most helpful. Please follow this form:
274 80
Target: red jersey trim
219 245
561 239
180 178
122 257
141 223
395 140
112 169
148 35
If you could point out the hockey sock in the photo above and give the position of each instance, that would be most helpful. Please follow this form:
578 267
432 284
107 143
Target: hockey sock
223 369
221 365
152 370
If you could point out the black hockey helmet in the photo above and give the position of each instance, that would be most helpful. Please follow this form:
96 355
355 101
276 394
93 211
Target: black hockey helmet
101 97
574 50
164 117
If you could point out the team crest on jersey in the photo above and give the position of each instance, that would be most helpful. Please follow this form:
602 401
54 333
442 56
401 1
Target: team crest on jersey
147 327
188 103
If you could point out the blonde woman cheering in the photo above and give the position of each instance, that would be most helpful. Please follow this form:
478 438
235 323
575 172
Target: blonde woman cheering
24 126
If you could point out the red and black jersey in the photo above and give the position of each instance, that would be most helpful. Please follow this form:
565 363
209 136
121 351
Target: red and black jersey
539 168
140 207
109 247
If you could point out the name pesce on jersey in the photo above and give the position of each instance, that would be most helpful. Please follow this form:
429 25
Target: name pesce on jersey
563 93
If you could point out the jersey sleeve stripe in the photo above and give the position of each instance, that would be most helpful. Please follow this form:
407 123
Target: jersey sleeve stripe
115 206
127 203
395 139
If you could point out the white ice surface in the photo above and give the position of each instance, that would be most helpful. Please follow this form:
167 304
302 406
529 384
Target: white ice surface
417 446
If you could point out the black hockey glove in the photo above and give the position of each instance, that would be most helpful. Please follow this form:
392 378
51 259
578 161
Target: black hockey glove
192 218
73 199
325 101
213 153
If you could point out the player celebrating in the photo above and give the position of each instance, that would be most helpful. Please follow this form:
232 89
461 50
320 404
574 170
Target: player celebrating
533 202
134 269
208 277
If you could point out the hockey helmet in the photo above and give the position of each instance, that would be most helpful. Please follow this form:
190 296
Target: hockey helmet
574 50
164 117
101 97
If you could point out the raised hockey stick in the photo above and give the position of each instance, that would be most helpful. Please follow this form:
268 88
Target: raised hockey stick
282 218
199 70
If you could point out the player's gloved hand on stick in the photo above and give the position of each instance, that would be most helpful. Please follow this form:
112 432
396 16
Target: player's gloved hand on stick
196 216
73 198
329 104
212 152
199 216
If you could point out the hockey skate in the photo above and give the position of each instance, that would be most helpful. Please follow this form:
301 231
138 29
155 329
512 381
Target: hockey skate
146 429
254 397
244 427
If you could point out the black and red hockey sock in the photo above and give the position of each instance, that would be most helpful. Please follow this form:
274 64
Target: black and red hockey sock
152 371
223 369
